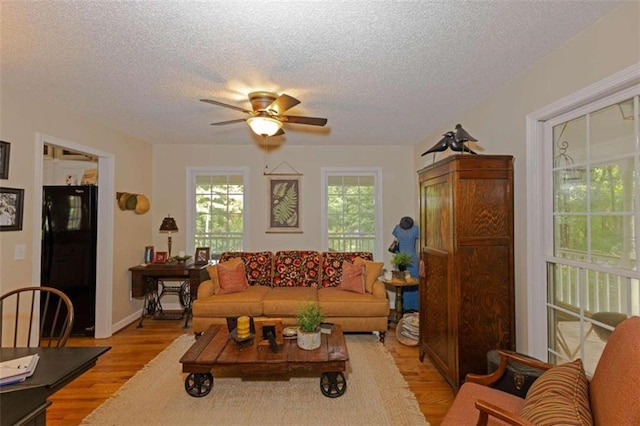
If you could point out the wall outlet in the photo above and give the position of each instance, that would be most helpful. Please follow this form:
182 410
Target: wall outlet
19 252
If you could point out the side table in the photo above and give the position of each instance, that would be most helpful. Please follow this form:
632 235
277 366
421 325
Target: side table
399 284
146 281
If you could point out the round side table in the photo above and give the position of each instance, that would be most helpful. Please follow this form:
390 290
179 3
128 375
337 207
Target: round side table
399 285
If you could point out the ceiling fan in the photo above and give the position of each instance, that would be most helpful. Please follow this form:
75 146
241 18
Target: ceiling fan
267 115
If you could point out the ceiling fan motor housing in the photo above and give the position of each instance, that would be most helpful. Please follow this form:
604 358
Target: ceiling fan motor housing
261 100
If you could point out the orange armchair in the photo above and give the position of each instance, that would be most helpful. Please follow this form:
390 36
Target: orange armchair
610 398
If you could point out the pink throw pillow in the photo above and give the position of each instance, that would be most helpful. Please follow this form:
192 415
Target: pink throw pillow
232 278
352 277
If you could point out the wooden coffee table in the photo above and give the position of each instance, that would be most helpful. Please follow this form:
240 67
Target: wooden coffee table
216 351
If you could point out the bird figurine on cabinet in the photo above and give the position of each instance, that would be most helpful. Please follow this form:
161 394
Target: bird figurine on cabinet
454 140
442 145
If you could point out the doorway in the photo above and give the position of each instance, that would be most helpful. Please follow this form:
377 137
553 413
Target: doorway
104 249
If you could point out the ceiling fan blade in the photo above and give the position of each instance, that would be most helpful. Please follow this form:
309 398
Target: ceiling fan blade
314 121
209 101
283 103
222 123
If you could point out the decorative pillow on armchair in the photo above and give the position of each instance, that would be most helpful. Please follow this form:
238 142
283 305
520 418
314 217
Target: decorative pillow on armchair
559 396
231 277
352 277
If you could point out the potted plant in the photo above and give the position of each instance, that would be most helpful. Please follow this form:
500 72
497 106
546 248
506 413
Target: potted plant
401 261
309 318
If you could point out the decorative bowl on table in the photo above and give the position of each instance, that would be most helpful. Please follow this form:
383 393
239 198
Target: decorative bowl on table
182 259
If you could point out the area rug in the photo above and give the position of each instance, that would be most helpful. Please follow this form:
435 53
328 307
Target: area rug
376 394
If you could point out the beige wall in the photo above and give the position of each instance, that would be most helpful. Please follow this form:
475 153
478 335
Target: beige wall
170 163
603 49
21 117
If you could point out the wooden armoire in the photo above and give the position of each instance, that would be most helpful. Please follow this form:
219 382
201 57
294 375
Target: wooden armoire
466 246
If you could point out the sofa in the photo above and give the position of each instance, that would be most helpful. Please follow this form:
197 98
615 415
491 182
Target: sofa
274 285
562 394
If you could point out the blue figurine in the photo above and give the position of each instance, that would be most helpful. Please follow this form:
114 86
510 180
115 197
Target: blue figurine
408 234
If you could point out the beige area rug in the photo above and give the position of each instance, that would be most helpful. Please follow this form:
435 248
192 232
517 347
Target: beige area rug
376 394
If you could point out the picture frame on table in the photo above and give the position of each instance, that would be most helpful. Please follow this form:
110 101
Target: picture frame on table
11 209
149 256
285 201
5 151
202 255
160 257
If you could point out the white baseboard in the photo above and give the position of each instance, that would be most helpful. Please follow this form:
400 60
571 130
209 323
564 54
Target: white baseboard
126 321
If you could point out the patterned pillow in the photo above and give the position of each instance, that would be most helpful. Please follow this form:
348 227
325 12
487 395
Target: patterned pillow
352 277
257 265
559 396
296 268
231 277
332 265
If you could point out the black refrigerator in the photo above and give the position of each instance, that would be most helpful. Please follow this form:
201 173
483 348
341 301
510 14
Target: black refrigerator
69 222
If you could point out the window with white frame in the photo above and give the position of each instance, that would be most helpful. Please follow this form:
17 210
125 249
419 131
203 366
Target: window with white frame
352 216
592 269
216 205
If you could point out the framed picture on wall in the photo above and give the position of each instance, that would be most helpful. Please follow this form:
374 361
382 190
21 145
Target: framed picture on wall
202 255
285 201
5 150
11 204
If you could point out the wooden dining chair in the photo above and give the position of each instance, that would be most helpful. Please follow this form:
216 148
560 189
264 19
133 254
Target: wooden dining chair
29 311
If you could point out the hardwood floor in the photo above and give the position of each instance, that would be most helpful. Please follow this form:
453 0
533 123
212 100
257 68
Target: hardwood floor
132 348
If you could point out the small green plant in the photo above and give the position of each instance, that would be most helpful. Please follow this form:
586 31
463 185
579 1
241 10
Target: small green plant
309 317
401 261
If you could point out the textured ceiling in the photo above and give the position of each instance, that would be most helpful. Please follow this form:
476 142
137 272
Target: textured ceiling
383 73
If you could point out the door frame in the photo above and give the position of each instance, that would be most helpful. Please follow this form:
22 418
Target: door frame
106 205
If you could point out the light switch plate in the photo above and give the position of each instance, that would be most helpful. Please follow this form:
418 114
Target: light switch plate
20 252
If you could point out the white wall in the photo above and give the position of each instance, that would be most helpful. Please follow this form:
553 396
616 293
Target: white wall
605 48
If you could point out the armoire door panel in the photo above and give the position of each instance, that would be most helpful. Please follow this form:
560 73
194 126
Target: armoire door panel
481 203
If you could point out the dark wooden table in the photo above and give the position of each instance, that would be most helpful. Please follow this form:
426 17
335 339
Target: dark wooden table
26 402
216 351
145 281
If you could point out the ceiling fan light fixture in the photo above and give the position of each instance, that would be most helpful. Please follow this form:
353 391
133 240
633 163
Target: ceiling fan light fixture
264 126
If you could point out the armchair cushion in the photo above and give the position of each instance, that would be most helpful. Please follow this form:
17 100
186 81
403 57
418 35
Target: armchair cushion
559 396
459 413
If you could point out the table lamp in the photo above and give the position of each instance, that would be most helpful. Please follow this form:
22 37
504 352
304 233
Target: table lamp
169 225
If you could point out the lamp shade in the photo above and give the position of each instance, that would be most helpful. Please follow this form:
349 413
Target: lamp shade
168 225
264 126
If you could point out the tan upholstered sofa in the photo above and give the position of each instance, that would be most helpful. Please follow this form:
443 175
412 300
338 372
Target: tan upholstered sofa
278 283
562 394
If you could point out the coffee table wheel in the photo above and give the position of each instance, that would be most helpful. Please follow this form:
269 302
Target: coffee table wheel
333 384
198 384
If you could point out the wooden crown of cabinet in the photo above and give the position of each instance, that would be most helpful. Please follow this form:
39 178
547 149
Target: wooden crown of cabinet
466 244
